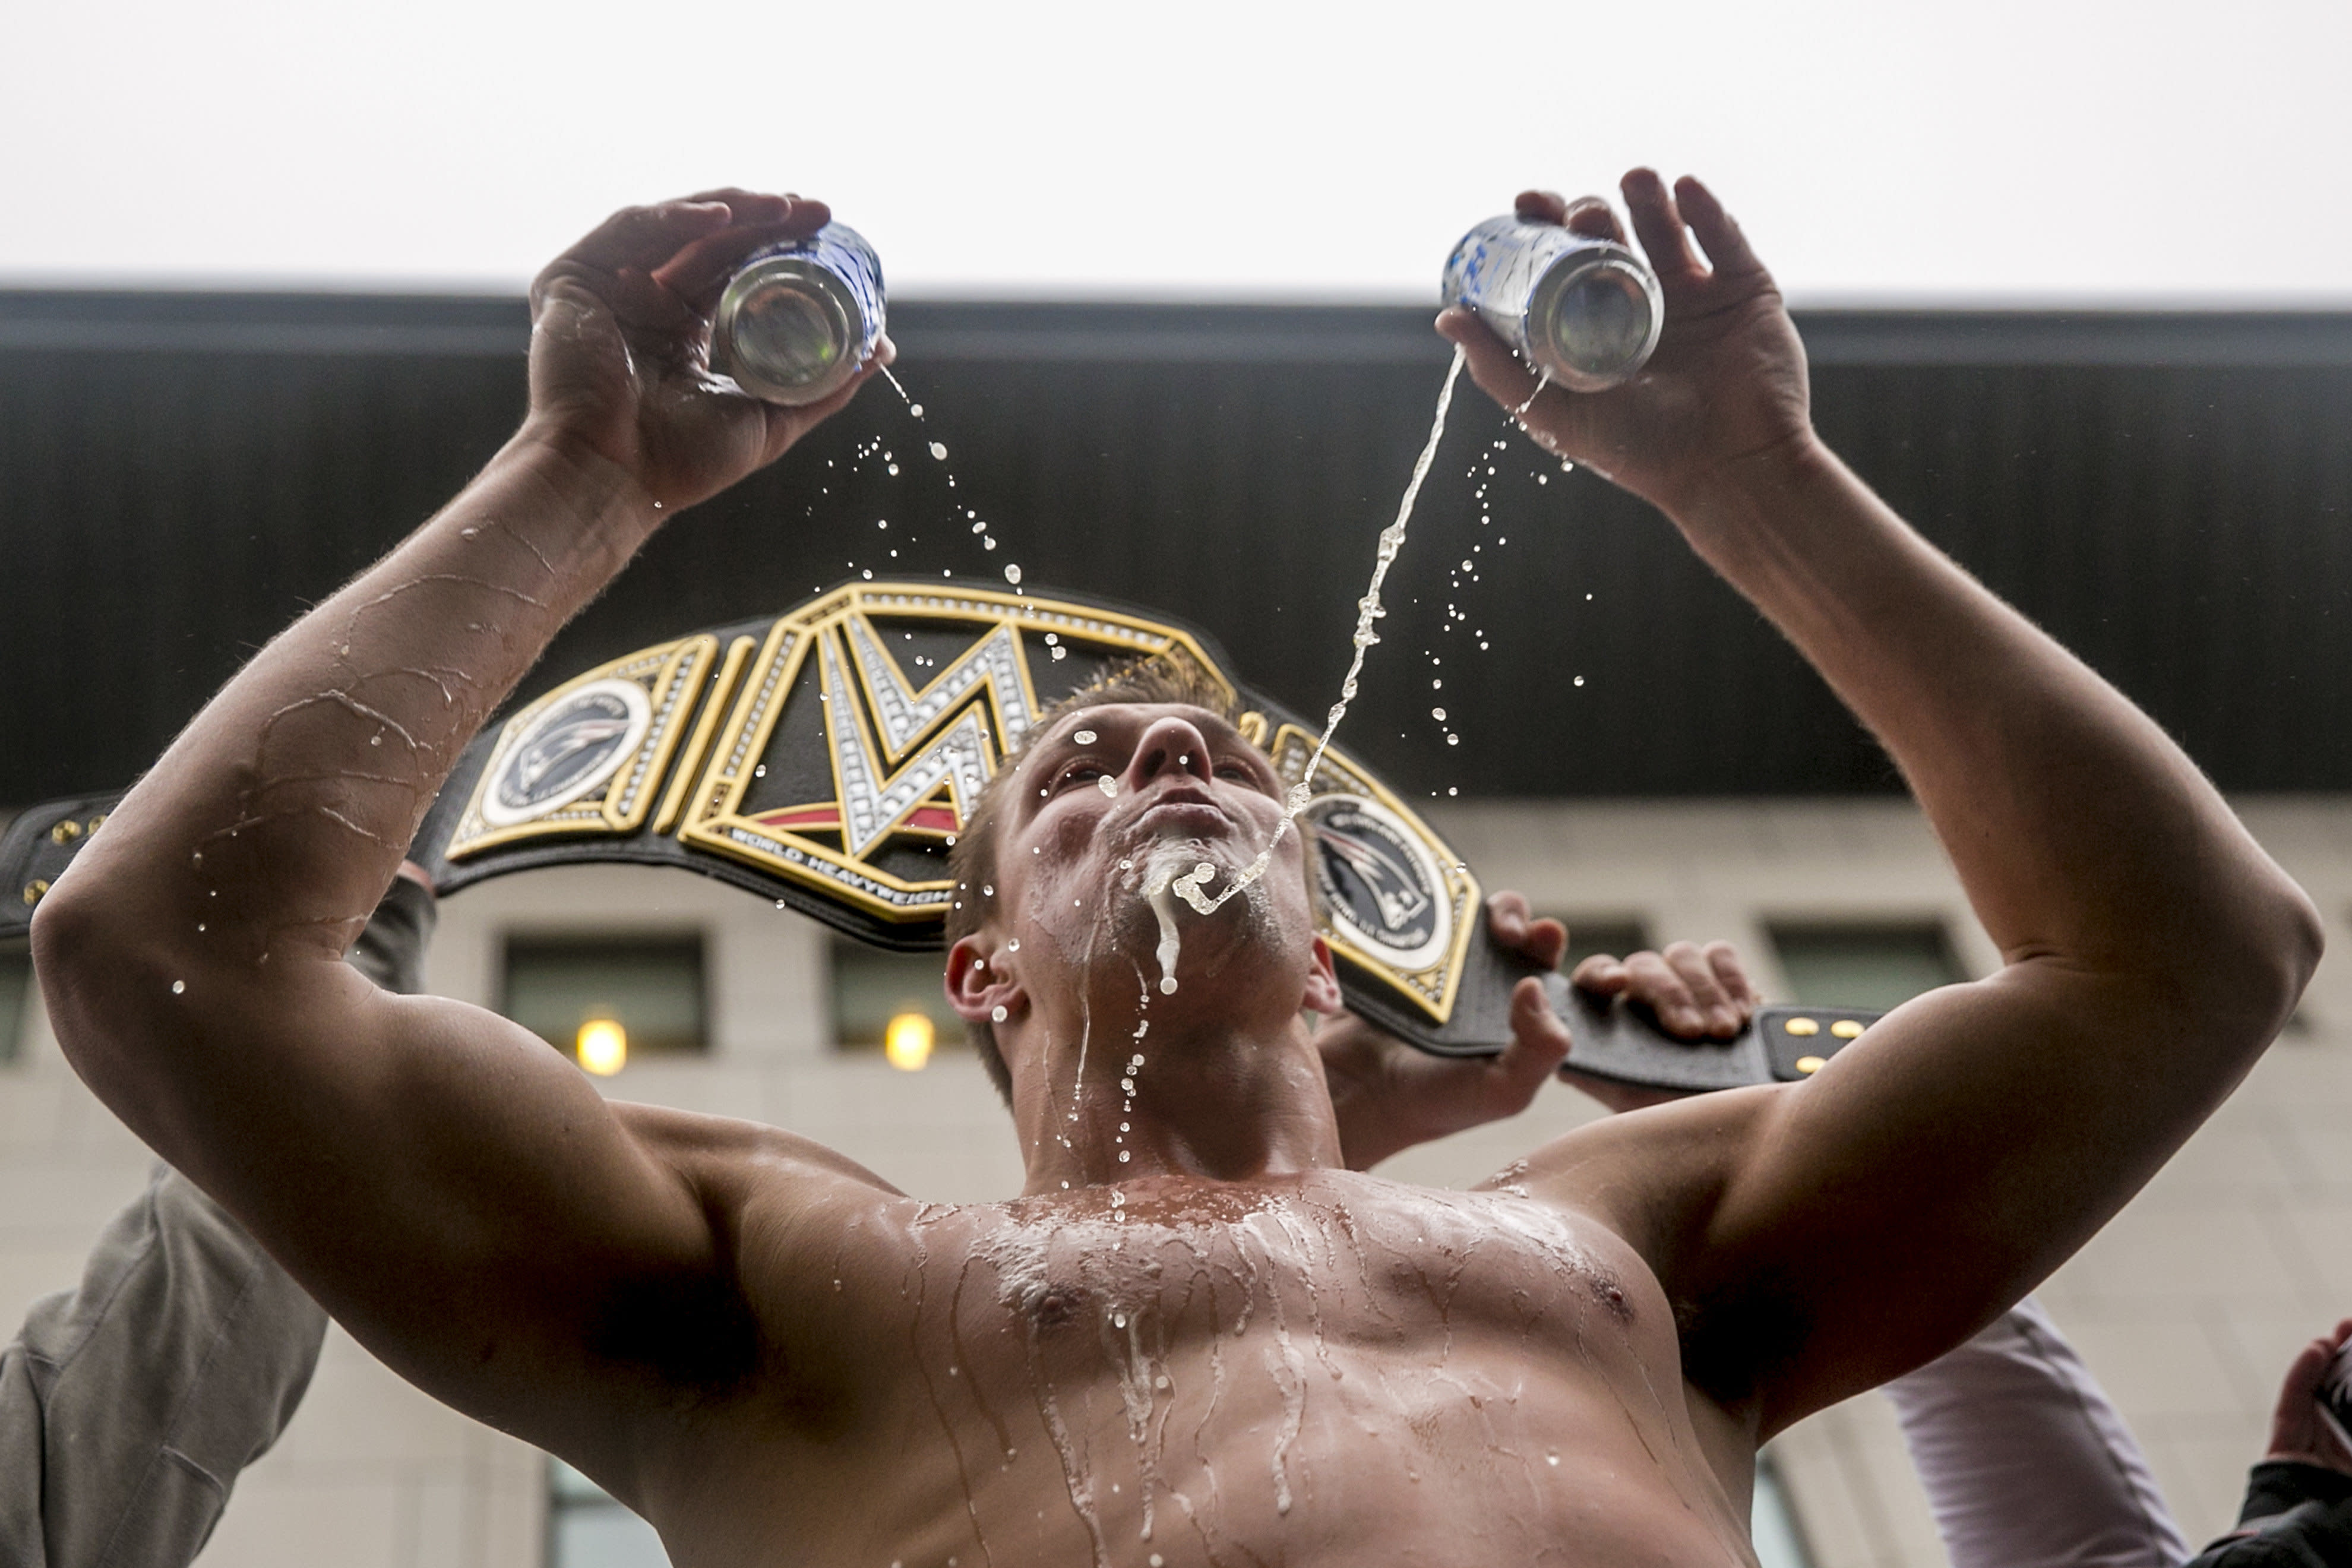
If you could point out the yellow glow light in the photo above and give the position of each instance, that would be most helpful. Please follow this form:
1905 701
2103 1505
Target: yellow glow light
603 1047
907 1042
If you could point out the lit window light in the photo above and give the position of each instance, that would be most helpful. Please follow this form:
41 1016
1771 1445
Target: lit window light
603 1047
907 1042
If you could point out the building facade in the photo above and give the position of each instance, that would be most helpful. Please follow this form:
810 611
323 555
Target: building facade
2165 493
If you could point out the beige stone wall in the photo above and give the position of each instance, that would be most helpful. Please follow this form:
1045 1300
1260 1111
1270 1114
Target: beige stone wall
2188 1305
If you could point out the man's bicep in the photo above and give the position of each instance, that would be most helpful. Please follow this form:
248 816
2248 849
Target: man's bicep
1933 1172
455 1194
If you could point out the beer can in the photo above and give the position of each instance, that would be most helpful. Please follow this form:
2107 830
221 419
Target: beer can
798 318
1585 310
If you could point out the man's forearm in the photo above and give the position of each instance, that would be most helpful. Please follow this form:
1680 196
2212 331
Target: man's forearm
279 817
2081 832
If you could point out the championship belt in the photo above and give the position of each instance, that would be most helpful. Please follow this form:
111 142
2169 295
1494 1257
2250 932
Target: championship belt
825 759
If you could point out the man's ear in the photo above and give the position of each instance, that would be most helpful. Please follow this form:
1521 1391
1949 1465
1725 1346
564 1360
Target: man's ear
1323 994
976 988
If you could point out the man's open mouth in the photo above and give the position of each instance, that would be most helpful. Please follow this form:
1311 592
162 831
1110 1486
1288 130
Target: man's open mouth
1181 810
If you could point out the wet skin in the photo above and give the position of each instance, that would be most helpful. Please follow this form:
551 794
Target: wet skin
1326 1368
1249 1355
776 1357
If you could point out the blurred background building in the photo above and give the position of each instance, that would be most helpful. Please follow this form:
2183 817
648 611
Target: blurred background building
2168 493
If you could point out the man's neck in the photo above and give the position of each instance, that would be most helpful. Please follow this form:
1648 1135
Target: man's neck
1207 1100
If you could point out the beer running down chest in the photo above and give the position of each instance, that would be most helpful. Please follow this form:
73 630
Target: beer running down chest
1299 1369
1249 1287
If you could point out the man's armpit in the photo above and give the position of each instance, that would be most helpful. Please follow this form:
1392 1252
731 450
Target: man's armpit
1655 1176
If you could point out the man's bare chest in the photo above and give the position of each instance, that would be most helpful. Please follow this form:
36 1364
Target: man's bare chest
1116 1283
1248 1363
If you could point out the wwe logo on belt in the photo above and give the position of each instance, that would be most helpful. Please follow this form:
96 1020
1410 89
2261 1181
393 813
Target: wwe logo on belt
869 814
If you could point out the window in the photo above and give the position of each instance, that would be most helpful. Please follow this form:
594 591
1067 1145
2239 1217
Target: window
1773 1523
16 998
586 1528
1873 966
608 1000
891 1003
1614 935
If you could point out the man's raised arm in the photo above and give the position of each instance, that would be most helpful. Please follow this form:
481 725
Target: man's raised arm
451 1189
1839 1231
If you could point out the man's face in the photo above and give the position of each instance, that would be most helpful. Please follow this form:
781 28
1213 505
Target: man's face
1113 797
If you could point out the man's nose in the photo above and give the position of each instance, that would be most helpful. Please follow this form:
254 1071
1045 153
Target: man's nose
1170 745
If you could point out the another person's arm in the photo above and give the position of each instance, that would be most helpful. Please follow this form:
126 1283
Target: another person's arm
1389 1096
2298 1507
1822 1237
456 1193
2025 1461
130 1406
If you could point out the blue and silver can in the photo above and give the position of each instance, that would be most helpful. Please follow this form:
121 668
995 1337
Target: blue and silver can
1585 311
797 320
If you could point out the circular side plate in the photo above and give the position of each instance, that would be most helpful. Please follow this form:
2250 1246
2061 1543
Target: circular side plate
569 752
1381 889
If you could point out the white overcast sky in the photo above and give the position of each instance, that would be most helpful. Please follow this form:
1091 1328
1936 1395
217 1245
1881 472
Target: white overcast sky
2133 153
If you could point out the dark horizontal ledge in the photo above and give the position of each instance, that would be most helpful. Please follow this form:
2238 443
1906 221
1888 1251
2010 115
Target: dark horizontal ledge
65 321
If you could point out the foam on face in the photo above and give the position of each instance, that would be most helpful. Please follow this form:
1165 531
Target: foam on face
1192 886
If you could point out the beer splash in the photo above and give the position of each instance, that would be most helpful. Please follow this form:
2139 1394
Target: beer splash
938 452
1483 474
1192 886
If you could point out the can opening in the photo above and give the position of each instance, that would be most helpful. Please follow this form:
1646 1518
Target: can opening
1601 321
785 335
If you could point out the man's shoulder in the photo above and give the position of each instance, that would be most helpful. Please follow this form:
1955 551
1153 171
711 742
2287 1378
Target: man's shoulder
727 1158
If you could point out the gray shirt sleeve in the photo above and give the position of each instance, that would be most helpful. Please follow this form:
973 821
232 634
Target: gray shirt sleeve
129 1405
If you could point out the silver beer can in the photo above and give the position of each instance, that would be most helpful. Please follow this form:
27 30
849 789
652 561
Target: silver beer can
1586 311
797 320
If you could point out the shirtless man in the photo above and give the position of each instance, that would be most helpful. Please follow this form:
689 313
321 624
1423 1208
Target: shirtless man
1197 1338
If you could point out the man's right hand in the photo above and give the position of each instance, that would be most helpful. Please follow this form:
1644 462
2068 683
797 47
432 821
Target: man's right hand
620 348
